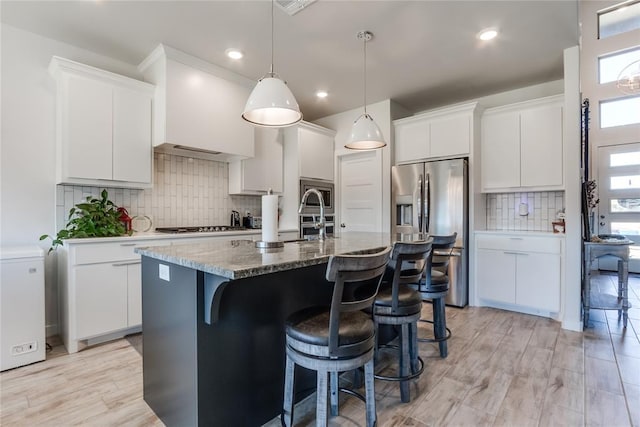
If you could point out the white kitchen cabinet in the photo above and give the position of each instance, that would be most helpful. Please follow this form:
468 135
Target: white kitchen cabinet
521 146
198 107
134 294
521 271
411 139
103 127
442 133
316 150
101 299
308 154
262 172
100 289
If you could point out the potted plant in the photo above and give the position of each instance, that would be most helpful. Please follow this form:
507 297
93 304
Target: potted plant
96 217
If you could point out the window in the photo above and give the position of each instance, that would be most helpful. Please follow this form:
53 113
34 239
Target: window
610 66
619 20
625 182
624 205
624 159
626 228
620 112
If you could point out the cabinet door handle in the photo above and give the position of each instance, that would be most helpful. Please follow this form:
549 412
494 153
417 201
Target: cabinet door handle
127 244
122 264
515 238
515 253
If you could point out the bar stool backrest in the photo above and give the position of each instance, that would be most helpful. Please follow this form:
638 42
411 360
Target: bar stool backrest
356 281
412 254
442 248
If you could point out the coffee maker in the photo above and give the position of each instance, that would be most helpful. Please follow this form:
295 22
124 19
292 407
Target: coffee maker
235 219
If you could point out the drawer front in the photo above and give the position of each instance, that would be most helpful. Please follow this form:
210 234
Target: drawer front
520 243
103 252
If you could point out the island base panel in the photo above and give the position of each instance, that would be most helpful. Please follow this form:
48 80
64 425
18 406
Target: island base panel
232 371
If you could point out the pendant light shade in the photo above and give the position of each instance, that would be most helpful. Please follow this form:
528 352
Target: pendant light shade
365 133
271 102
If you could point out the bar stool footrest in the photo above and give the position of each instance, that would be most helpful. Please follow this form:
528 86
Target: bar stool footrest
445 338
399 378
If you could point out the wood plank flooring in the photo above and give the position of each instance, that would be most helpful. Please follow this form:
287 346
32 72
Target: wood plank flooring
503 369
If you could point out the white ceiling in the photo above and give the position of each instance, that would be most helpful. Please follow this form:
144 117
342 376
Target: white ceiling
424 53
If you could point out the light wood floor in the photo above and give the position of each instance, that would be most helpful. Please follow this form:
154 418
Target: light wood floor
503 369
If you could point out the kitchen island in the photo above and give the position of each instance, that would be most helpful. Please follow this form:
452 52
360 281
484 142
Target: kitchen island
213 317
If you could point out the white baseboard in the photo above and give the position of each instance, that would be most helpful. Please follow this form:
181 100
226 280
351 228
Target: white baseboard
572 325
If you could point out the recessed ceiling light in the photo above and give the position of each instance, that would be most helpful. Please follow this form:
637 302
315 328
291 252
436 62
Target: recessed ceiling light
322 94
488 34
234 53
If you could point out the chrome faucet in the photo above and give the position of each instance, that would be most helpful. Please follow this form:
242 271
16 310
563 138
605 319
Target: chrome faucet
320 225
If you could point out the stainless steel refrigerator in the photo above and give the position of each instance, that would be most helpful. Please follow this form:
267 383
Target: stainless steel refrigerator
432 197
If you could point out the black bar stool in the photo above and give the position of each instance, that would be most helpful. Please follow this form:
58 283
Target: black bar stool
338 338
399 305
435 288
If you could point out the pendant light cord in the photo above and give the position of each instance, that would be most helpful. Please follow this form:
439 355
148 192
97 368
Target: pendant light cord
365 74
271 70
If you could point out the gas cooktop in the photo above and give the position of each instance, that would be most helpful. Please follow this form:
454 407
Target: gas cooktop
203 229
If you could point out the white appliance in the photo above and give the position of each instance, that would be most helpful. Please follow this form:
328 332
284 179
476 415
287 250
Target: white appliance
22 324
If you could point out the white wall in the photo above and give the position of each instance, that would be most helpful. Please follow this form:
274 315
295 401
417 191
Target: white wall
27 150
342 123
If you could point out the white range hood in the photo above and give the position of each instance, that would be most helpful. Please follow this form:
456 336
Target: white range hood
198 107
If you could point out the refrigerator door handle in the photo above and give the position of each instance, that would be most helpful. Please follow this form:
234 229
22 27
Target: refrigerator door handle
427 203
419 204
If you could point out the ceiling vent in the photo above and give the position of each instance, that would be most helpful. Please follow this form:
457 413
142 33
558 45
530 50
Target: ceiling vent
293 6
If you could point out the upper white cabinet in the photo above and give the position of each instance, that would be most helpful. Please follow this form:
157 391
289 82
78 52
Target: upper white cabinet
262 172
198 107
104 127
446 132
521 146
314 149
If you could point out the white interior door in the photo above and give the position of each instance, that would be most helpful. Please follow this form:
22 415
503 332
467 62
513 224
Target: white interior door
619 193
360 191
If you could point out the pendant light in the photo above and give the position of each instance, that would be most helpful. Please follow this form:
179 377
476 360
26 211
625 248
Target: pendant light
271 102
365 133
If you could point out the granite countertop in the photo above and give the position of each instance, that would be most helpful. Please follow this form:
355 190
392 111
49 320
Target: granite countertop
154 235
237 259
521 233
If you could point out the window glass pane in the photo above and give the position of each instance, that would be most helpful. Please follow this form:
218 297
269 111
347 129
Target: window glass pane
625 228
620 112
620 20
611 66
625 205
625 159
625 182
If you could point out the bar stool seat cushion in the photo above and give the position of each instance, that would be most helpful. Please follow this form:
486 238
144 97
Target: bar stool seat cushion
409 301
311 326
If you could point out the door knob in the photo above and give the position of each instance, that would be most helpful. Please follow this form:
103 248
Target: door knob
602 223
342 225
601 216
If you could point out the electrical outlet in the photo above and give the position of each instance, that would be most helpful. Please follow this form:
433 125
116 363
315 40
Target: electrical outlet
19 349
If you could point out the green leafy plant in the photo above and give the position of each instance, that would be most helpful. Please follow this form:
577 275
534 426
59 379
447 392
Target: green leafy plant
93 218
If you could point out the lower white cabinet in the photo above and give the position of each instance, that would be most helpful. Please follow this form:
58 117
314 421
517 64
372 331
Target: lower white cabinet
101 298
100 289
519 270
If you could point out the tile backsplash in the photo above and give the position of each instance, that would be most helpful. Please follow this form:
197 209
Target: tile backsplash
503 210
186 192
